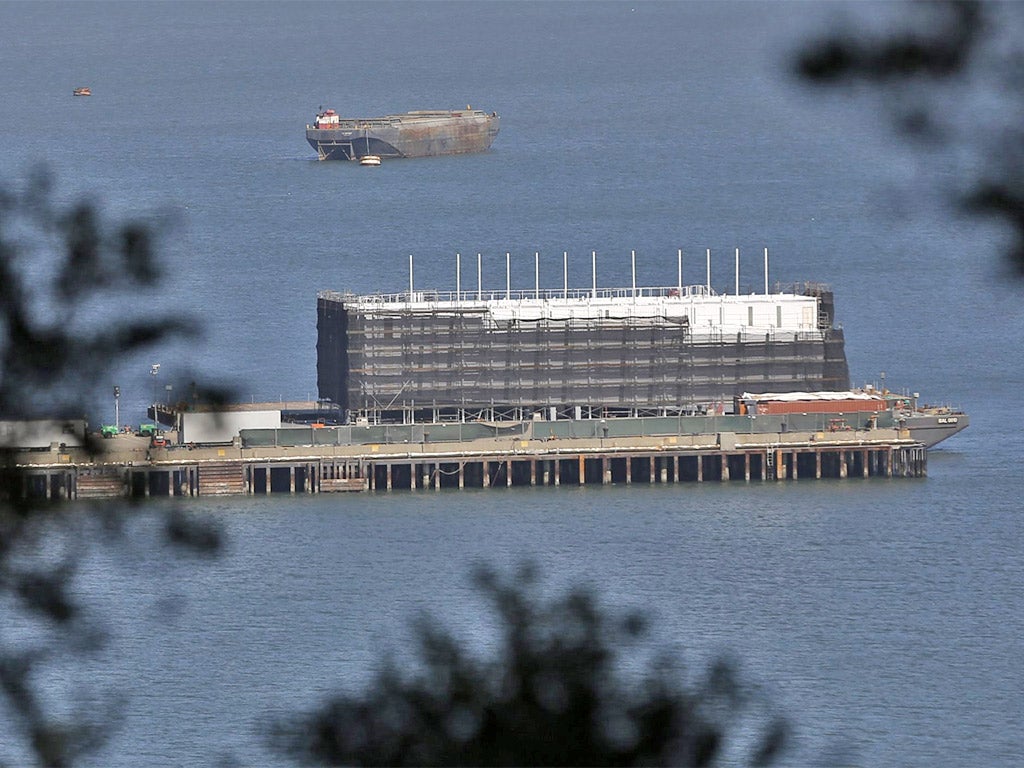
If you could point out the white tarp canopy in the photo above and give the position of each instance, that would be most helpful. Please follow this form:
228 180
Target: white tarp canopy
802 397
224 426
41 433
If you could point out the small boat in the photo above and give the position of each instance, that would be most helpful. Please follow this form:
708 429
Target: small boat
83 92
369 160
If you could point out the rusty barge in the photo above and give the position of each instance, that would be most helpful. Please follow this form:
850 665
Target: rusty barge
422 133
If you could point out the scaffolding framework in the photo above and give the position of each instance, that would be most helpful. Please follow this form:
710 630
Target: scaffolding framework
652 349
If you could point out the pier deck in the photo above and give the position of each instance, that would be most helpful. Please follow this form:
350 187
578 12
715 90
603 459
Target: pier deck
128 467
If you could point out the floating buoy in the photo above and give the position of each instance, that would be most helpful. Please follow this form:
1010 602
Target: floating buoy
369 160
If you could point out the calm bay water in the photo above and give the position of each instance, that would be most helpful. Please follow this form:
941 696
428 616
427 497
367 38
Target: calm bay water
884 617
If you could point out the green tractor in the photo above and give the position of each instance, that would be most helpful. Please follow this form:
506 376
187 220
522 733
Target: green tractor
108 430
147 430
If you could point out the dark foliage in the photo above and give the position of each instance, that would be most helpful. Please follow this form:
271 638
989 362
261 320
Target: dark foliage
553 694
51 348
939 48
950 51
56 267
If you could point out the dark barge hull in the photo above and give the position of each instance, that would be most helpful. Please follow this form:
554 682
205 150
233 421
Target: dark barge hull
413 134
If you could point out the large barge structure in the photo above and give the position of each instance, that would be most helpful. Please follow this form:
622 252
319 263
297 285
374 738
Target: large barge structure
423 356
572 353
424 390
422 133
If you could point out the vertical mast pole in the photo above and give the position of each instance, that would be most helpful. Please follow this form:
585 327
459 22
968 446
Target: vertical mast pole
737 271
679 285
593 274
536 275
508 275
458 277
479 283
410 277
765 271
709 271
565 274
632 263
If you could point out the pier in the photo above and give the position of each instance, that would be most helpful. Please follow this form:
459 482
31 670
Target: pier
258 465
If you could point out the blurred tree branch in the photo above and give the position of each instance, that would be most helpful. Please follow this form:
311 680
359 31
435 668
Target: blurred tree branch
553 694
955 72
64 278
